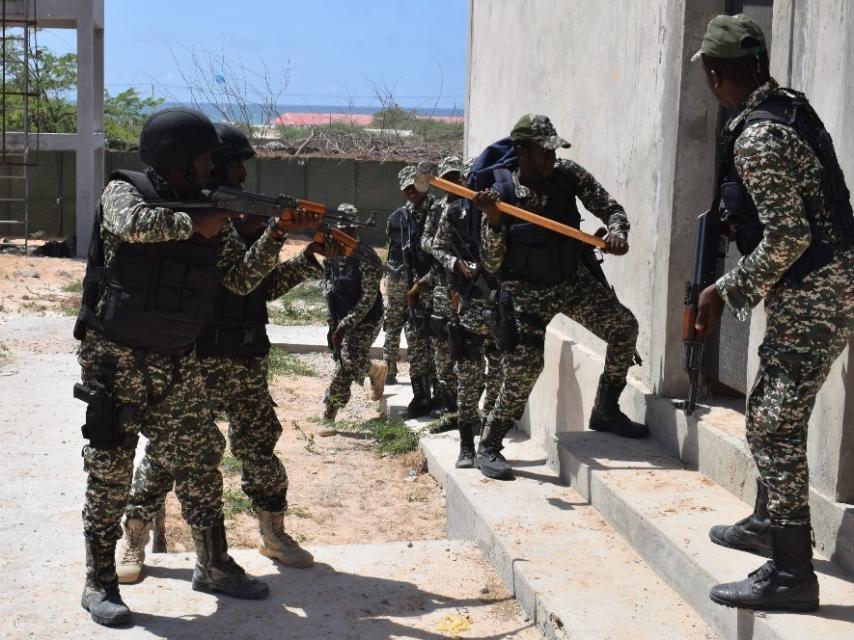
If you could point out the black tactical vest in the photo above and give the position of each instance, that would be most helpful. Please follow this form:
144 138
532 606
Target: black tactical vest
465 245
535 254
737 208
399 230
239 326
156 296
346 290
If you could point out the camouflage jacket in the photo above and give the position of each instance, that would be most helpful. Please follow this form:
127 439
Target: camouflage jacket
592 195
127 218
778 169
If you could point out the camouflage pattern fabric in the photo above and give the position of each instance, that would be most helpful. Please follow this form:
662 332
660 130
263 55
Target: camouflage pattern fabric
173 413
359 334
181 432
808 324
582 298
396 314
480 370
236 387
419 347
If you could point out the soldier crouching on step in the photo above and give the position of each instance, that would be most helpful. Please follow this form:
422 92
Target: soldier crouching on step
232 350
150 285
355 315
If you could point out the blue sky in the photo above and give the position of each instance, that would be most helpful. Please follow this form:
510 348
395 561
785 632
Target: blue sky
332 49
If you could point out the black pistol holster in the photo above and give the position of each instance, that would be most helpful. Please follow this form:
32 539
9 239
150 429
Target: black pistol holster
105 415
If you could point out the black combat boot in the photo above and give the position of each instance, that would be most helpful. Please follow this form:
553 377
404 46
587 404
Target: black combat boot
420 404
786 582
391 376
466 458
750 534
606 414
216 571
489 459
101 596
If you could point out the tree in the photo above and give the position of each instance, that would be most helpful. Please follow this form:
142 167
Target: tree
124 115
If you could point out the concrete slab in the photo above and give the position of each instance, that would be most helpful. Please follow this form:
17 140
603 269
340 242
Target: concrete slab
311 338
571 571
665 511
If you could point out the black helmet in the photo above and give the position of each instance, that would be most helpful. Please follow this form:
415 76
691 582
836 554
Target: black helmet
233 145
173 138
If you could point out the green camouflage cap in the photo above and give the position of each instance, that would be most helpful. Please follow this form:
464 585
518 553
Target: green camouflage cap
537 128
348 211
468 163
731 37
406 177
450 164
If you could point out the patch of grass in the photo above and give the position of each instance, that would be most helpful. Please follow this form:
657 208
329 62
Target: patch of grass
416 496
301 538
304 304
73 287
282 363
230 462
41 234
308 437
234 501
298 512
393 438
5 355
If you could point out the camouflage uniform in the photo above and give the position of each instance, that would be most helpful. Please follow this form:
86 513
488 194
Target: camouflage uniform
238 388
166 392
481 364
808 324
354 359
582 298
396 313
441 303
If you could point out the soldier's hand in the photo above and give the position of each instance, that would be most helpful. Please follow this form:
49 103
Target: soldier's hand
209 222
710 308
461 267
297 219
614 243
486 201
338 337
412 294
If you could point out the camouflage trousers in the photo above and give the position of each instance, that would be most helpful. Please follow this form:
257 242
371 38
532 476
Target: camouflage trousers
353 362
171 410
808 327
584 300
444 366
396 314
236 387
477 370
419 345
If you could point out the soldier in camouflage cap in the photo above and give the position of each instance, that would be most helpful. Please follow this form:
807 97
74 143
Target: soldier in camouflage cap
348 211
542 274
783 194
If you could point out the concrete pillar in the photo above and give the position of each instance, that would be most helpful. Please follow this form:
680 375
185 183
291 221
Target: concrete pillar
90 116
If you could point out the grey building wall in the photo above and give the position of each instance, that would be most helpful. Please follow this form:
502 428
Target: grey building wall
370 185
616 80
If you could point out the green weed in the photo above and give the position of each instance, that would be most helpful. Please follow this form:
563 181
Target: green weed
304 304
393 438
230 462
283 363
234 501
73 287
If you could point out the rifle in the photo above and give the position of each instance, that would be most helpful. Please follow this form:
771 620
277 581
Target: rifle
708 247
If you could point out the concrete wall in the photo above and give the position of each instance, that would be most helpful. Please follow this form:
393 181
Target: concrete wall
369 184
616 80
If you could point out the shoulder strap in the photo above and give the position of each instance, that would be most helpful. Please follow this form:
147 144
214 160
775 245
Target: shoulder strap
140 181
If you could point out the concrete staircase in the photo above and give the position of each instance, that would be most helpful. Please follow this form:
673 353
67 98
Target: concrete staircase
594 525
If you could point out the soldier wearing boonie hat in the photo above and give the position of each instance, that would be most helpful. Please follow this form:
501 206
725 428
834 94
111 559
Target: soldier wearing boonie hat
783 193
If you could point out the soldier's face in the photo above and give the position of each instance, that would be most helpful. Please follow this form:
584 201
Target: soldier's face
414 195
235 174
201 170
537 159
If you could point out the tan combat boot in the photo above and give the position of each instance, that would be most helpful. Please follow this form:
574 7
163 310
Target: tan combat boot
277 544
327 424
132 549
377 374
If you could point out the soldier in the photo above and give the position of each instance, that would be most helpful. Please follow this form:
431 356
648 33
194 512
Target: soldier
355 314
405 227
543 273
783 194
451 169
151 282
232 352
477 361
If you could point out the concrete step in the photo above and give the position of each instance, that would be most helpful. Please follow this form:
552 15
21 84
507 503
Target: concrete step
568 568
665 511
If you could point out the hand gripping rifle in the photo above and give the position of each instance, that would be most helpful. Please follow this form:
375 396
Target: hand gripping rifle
707 249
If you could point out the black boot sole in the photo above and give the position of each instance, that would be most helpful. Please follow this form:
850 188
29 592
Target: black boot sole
723 543
464 464
115 621
500 475
205 587
797 607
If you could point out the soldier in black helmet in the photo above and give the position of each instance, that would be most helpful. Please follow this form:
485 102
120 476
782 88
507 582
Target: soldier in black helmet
232 352
150 286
